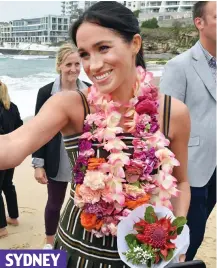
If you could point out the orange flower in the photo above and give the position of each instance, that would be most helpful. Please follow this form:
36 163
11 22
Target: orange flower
132 204
77 189
89 221
94 163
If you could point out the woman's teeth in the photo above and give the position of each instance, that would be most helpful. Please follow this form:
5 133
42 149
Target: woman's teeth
100 77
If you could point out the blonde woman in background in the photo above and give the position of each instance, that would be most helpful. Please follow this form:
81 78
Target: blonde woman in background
9 121
51 162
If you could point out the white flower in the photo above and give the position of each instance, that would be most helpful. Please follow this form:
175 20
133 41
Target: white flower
95 180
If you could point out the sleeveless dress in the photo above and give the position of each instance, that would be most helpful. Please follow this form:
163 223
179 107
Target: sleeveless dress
83 249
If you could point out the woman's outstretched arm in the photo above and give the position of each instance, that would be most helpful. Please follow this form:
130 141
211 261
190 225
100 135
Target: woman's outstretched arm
52 118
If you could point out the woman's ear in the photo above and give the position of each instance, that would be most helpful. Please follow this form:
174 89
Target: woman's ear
58 69
136 43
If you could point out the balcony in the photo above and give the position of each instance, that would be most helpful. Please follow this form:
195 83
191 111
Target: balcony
172 3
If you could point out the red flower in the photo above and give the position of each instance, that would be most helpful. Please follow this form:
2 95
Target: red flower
157 234
133 173
146 106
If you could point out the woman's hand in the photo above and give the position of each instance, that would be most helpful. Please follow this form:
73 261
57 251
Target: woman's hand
182 258
40 175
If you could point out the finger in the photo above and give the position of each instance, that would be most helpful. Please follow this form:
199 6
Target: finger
182 258
44 181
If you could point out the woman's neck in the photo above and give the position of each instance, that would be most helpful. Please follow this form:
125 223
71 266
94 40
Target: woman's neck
67 85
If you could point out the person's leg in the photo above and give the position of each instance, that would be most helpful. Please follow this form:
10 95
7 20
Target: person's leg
3 223
11 197
197 216
56 195
211 194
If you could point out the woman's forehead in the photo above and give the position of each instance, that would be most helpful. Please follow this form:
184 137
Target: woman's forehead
90 34
74 56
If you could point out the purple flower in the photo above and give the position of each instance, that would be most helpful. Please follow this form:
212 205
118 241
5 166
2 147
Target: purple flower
100 208
151 161
86 128
82 160
79 169
84 145
79 177
148 169
154 124
140 127
140 155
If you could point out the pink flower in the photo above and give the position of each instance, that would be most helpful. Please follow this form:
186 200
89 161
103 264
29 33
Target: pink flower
95 180
126 212
148 187
113 229
165 156
87 195
163 180
158 140
86 135
95 119
98 234
156 201
123 157
113 119
105 230
79 202
115 145
88 153
133 191
114 191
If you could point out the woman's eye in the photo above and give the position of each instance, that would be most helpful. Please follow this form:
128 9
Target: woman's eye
77 64
103 48
68 65
83 54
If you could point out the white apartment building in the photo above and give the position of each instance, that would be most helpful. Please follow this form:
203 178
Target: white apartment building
155 6
5 31
72 8
47 29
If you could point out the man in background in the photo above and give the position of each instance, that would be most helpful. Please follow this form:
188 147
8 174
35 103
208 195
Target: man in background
191 78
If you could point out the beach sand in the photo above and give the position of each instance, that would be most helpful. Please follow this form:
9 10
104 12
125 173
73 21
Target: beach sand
30 233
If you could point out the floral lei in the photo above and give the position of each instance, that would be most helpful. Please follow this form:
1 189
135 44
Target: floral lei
108 189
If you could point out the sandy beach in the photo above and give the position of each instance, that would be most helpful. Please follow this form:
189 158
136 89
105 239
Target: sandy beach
30 233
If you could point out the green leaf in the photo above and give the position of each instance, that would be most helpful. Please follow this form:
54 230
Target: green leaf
170 255
148 126
179 230
161 256
149 263
83 168
130 238
172 233
136 184
150 215
179 222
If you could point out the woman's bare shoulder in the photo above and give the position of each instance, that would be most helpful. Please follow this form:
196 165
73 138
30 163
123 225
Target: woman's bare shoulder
65 99
178 109
179 117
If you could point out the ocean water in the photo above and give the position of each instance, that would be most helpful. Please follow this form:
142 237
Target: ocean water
24 75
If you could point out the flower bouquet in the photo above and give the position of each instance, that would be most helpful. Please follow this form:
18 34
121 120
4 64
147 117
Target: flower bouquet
152 237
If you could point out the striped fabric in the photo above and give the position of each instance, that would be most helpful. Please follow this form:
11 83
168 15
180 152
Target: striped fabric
83 249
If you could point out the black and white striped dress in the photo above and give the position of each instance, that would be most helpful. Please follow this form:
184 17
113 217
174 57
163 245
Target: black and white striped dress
83 249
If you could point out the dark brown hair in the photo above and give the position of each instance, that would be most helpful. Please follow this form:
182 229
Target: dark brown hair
115 16
199 9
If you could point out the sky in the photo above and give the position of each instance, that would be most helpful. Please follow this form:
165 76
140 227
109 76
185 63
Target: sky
12 10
